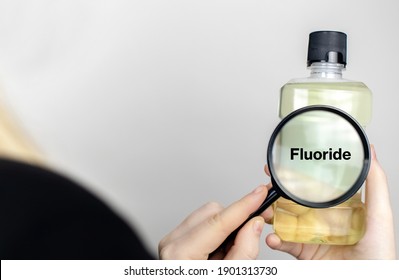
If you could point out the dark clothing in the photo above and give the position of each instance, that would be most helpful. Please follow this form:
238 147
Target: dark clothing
44 215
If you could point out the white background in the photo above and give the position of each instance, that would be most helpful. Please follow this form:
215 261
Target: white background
161 106
115 269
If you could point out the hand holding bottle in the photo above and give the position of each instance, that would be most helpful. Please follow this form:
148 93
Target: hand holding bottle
378 241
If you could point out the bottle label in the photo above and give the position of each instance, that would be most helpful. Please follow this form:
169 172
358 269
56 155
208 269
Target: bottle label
301 154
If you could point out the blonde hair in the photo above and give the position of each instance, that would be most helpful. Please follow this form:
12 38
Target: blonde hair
14 142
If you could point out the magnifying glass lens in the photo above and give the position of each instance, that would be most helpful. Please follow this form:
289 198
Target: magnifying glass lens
318 157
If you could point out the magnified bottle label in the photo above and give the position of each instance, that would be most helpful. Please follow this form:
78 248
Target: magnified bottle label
317 156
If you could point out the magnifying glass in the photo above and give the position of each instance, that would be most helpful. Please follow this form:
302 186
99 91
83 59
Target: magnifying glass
318 156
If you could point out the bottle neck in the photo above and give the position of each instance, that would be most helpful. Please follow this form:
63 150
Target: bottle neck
326 70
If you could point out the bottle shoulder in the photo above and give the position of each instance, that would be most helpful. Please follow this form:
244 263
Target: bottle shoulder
354 97
318 84
318 80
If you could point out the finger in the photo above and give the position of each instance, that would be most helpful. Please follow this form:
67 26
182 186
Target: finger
246 244
267 171
268 215
165 250
275 243
377 193
195 218
269 212
379 213
208 235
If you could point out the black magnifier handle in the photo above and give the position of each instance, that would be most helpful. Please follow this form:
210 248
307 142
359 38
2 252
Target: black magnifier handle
272 196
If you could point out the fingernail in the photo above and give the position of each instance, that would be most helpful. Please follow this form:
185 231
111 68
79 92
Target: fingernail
258 189
258 227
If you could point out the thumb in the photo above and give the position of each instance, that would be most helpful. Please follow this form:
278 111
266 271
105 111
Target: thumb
292 248
246 244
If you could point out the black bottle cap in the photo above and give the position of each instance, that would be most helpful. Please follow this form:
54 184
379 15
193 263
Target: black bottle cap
327 46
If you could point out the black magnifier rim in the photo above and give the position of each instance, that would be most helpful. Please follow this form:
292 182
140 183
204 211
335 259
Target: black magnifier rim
359 181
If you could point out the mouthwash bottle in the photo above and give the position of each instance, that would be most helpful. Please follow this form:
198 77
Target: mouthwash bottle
343 224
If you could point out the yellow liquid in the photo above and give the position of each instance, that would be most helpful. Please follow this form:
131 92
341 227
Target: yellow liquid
353 97
343 224
340 225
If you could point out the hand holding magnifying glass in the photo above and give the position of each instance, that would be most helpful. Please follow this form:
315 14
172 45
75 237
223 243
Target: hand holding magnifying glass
318 156
206 228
